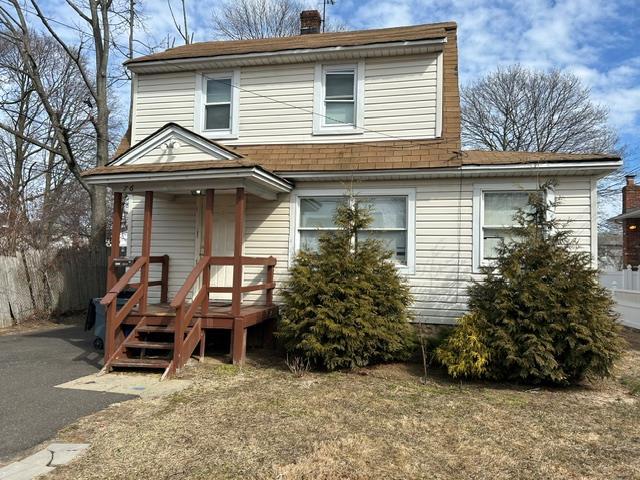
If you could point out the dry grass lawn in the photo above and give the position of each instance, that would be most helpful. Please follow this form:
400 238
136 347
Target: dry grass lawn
262 422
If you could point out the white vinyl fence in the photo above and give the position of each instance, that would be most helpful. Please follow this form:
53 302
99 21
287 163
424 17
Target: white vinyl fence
625 288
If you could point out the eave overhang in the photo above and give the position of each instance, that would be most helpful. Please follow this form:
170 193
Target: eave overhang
594 168
256 180
302 55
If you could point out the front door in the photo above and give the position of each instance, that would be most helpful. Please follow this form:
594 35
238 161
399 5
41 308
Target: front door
222 243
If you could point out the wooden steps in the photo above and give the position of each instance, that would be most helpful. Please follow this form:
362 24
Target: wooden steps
141 363
157 328
151 345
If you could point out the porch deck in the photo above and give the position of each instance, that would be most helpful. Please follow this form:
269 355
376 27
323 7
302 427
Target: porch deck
218 316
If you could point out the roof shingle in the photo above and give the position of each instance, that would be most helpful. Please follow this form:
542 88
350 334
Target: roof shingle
318 40
340 157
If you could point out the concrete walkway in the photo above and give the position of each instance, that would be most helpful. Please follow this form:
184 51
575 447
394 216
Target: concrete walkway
31 364
42 462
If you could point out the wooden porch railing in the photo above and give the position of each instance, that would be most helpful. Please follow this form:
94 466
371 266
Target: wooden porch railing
184 347
115 316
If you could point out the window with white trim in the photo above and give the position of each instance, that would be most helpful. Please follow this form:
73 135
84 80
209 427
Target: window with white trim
499 209
217 105
338 98
392 223
494 206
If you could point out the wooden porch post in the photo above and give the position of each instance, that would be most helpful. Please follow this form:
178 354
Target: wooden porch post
115 239
208 239
146 249
112 278
239 337
238 241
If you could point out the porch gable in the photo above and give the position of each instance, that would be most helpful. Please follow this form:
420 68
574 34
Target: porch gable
174 143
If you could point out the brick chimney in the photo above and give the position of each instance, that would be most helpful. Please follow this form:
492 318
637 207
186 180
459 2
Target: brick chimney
631 226
310 22
630 194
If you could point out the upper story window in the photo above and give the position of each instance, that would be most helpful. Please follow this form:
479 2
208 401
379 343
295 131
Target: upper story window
338 99
217 105
392 220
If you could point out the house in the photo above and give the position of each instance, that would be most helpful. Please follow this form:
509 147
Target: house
630 221
239 152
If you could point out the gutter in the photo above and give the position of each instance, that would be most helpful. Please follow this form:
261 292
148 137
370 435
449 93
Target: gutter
565 168
133 64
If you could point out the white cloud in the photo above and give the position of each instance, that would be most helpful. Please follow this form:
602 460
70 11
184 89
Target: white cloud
573 35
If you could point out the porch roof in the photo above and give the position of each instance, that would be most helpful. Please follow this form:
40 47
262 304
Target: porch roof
148 166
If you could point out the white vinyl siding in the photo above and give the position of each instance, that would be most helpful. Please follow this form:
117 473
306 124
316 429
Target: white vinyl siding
173 233
276 102
443 235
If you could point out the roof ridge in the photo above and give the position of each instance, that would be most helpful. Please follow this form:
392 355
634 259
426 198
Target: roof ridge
341 33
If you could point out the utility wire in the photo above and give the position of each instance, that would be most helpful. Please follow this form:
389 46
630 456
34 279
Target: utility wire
178 68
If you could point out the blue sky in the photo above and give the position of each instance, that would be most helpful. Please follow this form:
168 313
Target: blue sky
598 40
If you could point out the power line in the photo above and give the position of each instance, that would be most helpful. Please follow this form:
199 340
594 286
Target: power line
413 145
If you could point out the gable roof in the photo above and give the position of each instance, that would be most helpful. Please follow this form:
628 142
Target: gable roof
126 153
310 41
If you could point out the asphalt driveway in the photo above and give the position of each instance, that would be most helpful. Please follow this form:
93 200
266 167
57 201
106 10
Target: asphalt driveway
31 409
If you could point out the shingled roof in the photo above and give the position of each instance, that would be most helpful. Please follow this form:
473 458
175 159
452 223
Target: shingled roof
311 41
358 156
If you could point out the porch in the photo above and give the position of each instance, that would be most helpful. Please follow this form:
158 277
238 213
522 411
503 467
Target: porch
178 293
165 334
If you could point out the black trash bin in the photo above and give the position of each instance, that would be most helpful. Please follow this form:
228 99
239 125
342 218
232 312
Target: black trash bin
99 312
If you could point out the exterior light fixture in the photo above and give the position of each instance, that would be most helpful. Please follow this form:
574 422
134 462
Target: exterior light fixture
196 193
171 145
633 227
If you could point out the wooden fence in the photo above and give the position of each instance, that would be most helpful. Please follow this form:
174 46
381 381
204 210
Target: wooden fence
50 282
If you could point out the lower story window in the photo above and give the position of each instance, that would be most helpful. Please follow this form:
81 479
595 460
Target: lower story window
498 218
390 221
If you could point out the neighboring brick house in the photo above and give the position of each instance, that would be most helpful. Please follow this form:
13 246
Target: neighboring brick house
282 129
630 220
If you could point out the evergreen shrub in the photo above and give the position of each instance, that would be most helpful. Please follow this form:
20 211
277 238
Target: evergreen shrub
345 305
539 314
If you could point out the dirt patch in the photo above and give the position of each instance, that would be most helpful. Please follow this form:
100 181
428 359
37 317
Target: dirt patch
262 422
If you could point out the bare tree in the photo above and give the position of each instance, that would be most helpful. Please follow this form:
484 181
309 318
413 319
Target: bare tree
183 26
96 15
516 109
31 174
253 19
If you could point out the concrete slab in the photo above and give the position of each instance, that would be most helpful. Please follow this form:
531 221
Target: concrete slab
43 461
23 471
63 453
142 385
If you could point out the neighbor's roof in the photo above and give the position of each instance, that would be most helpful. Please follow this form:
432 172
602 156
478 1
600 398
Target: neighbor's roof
635 213
310 41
